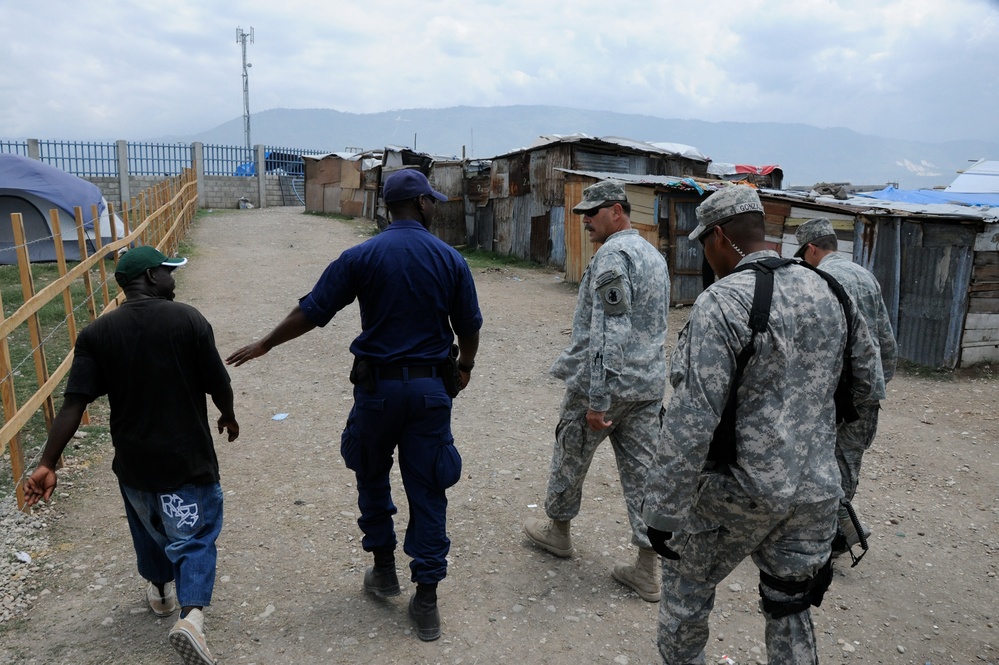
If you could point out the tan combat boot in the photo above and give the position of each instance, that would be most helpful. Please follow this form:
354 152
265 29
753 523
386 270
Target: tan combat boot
850 531
642 575
552 535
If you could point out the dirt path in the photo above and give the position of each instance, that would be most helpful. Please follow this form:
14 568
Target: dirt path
291 565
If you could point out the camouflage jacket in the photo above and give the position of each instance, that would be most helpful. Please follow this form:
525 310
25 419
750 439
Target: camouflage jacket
786 418
866 292
618 349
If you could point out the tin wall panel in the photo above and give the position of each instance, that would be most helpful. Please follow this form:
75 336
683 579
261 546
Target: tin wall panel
592 161
448 179
932 297
524 210
449 222
547 182
484 227
556 234
502 225
686 257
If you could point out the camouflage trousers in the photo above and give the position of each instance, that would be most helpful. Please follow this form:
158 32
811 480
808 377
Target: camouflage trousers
725 527
634 437
852 441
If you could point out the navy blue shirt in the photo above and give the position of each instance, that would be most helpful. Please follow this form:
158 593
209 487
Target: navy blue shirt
415 292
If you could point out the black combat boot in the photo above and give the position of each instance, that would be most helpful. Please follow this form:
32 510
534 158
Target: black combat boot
423 611
381 580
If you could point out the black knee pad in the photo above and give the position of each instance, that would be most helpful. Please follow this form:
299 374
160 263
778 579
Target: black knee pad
811 590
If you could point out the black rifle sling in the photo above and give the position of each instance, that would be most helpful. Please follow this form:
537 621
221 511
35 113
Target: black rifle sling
722 450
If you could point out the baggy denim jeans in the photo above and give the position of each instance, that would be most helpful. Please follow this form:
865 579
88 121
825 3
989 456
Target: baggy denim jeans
174 536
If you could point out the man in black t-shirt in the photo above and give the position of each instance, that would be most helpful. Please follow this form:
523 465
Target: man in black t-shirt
156 360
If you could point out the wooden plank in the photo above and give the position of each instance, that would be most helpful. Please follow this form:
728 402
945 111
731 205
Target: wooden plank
34 321
988 240
983 305
799 215
977 355
987 258
981 321
979 337
776 209
8 396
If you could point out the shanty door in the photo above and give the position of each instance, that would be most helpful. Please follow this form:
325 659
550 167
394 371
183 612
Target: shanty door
936 265
685 256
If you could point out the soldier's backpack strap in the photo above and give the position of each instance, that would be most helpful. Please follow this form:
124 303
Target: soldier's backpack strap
722 449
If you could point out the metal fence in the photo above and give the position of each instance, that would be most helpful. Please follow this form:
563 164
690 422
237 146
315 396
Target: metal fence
162 159
228 160
92 159
14 148
81 159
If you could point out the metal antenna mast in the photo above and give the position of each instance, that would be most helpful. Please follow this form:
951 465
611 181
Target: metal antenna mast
241 38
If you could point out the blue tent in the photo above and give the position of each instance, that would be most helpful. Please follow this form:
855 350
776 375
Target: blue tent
32 188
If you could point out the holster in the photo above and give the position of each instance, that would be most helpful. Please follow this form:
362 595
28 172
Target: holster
362 374
449 373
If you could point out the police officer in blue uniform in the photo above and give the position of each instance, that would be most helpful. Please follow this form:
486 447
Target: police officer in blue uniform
416 294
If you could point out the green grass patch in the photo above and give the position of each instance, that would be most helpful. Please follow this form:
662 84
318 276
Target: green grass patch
480 259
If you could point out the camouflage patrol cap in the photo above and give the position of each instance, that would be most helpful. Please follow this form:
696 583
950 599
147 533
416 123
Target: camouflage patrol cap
723 205
594 196
812 230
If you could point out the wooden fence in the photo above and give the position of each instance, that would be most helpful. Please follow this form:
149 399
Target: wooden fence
159 216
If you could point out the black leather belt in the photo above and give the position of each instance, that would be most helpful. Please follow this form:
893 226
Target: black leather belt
399 372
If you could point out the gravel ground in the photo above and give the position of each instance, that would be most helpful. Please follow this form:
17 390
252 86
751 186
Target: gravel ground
291 566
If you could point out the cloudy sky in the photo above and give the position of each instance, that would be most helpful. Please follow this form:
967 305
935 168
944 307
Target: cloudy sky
121 69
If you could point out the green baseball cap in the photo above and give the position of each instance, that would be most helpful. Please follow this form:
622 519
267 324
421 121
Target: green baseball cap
137 261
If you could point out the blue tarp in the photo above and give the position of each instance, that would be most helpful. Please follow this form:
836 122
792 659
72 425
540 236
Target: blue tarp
925 196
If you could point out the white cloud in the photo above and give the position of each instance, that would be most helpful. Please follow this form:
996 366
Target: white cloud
915 69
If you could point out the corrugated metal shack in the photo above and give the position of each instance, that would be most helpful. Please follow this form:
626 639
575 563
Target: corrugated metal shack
938 265
526 210
342 183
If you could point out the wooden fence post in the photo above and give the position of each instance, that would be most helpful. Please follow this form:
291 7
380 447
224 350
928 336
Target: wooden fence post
9 409
33 322
98 245
88 284
67 293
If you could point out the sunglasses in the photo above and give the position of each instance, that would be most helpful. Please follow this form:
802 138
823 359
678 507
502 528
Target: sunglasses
592 212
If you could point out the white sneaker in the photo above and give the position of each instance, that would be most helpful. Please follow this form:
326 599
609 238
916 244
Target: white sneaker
165 605
188 638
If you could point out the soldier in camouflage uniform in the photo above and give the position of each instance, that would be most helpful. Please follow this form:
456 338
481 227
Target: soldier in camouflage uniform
777 502
615 375
818 247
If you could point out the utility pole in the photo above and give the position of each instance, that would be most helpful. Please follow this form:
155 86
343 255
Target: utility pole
241 38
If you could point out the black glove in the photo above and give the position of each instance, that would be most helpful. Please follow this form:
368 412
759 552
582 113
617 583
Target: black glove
658 539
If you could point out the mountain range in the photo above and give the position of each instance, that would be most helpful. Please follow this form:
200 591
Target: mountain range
807 154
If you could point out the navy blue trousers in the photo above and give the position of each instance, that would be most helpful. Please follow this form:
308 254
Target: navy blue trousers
414 417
